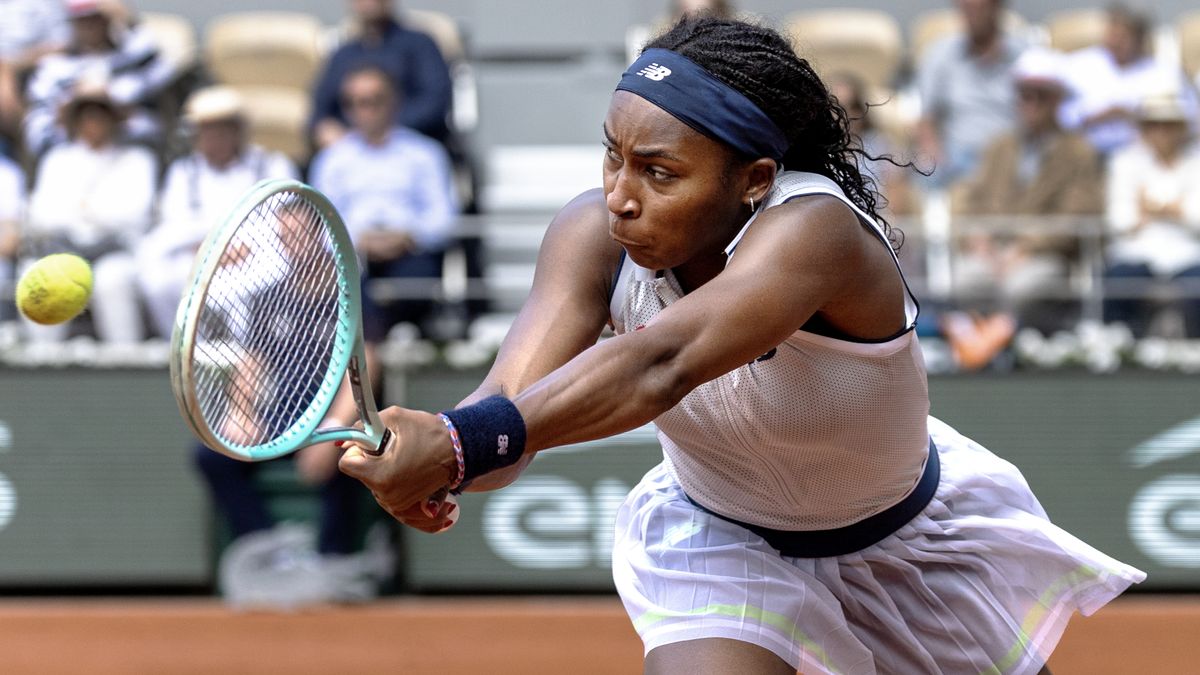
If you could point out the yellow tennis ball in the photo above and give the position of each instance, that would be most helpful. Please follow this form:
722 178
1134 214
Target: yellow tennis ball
55 289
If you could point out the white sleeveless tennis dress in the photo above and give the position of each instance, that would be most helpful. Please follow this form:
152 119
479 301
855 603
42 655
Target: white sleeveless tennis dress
897 558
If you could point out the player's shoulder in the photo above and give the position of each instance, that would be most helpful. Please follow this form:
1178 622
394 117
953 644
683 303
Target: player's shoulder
808 226
587 206
814 211
582 227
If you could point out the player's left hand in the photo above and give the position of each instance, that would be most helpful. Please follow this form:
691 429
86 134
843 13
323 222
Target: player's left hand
419 462
429 517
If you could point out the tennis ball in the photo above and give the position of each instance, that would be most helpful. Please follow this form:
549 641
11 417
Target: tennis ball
55 289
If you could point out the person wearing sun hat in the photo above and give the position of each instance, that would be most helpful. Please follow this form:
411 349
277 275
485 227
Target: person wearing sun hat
1153 211
93 196
319 565
103 45
198 190
1038 168
1110 78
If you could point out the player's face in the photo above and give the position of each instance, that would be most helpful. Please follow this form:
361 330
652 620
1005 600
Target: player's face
671 195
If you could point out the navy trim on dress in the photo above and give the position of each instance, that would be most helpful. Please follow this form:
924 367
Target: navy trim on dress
612 288
843 540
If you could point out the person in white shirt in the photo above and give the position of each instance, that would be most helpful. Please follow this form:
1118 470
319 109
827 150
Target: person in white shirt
1109 79
93 196
102 46
199 190
1153 213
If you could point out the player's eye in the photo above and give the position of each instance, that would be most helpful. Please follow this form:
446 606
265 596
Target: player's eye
658 173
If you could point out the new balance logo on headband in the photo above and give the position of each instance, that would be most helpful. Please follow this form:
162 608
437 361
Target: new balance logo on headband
654 72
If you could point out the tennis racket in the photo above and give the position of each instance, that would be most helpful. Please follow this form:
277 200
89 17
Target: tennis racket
270 327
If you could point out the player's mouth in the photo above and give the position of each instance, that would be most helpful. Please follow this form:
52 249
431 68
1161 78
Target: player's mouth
625 242
613 224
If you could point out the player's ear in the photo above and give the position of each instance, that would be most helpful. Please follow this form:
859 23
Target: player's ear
760 176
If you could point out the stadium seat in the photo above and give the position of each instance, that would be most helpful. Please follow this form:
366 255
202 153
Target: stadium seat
264 48
1187 28
442 28
864 42
278 118
930 26
1074 29
175 36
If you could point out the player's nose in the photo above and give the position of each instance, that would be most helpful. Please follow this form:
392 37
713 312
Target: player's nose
621 200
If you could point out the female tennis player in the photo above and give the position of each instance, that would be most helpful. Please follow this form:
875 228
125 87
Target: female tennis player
808 513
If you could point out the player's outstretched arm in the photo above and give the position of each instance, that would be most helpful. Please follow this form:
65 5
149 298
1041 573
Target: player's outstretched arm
565 313
800 258
566 310
567 306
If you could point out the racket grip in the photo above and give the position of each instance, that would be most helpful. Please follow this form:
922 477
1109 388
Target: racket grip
384 441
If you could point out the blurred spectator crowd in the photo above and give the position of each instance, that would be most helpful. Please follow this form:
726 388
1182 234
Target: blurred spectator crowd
118 142
1047 170
1044 172
122 146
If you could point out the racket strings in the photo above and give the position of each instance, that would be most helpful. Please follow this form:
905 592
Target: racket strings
266 333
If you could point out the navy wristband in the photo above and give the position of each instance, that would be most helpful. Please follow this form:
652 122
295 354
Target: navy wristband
492 433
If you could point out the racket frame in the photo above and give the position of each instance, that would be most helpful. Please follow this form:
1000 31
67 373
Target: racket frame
344 363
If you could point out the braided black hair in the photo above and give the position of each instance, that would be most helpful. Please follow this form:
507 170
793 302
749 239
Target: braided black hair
761 64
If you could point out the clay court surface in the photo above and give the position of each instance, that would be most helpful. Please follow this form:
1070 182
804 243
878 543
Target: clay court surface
445 636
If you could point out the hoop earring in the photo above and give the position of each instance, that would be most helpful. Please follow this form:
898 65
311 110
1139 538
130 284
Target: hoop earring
752 205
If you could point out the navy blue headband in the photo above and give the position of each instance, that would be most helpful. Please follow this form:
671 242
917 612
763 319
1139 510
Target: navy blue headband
691 94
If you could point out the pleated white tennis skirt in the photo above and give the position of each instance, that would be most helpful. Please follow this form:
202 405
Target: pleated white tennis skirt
979 582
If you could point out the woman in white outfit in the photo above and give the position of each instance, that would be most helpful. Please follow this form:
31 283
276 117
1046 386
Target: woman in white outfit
199 190
808 514
94 196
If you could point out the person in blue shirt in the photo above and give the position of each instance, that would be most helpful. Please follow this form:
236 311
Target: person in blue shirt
409 57
394 188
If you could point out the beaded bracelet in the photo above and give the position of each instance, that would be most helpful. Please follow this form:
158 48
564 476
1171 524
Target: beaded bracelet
458 452
491 433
